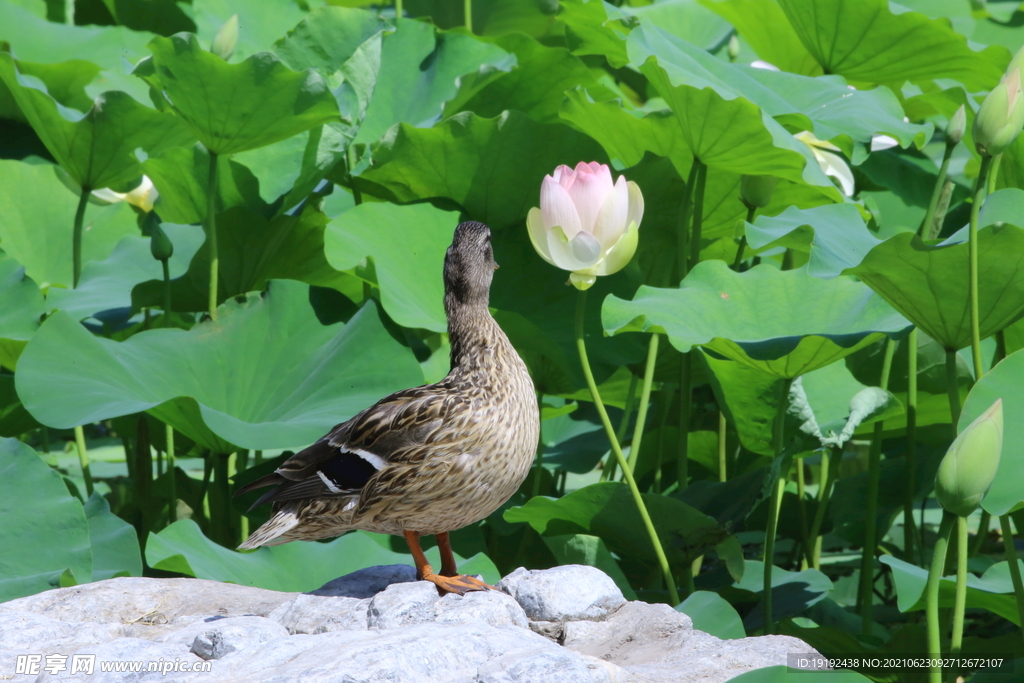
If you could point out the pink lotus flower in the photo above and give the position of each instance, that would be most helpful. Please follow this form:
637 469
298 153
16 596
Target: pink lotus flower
586 223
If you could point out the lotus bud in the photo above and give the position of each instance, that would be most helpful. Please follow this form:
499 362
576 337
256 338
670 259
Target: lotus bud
956 127
756 190
1016 64
224 42
969 466
734 47
1001 117
159 244
586 223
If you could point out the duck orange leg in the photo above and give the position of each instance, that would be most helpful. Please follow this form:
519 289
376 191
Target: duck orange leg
449 581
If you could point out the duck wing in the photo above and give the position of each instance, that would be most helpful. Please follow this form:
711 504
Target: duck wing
394 430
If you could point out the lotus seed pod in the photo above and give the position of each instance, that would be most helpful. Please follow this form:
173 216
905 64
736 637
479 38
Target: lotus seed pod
224 42
956 126
1001 117
756 190
160 245
969 466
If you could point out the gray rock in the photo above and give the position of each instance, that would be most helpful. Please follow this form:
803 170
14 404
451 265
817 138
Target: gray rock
401 604
568 593
313 614
366 583
22 632
420 653
223 636
549 665
486 607
659 645
151 656
147 608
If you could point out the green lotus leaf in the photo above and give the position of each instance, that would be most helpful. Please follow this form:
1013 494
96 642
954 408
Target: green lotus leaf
115 544
763 25
261 23
327 37
835 235
265 374
686 19
420 71
407 245
910 585
1003 381
792 592
108 284
535 86
606 510
158 16
928 284
783 674
750 399
296 566
45 532
235 107
760 317
723 128
180 175
492 168
596 28
253 251
38 212
869 42
711 613
23 306
34 39
64 82
899 189
14 419
97 148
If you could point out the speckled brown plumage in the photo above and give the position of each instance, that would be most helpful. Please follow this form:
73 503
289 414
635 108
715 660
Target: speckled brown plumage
435 458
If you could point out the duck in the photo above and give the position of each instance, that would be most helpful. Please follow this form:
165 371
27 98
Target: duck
427 460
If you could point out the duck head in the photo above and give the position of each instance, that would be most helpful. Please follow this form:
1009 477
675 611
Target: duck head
469 265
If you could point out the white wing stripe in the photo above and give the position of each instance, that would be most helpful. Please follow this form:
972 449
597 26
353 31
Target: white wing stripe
375 460
328 482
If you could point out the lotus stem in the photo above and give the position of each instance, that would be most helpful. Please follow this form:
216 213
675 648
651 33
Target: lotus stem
1011 559
801 508
608 472
581 348
398 9
952 389
685 399
211 232
468 11
645 400
778 438
204 487
83 459
932 596
751 210
698 213
927 228
723 428
683 240
824 495
960 601
167 292
172 508
983 525
993 174
350 161
979 197
867 560
76 237
909 528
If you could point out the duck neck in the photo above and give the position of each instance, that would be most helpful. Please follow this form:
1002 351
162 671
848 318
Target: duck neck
472 333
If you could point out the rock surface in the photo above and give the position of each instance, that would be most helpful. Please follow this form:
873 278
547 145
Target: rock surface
569 624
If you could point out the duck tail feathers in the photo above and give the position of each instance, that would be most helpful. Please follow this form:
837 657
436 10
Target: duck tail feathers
282 521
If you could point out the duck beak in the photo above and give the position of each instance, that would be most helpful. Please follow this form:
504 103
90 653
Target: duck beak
496 266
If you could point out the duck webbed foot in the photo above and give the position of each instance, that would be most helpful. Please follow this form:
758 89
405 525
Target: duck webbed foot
449 580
